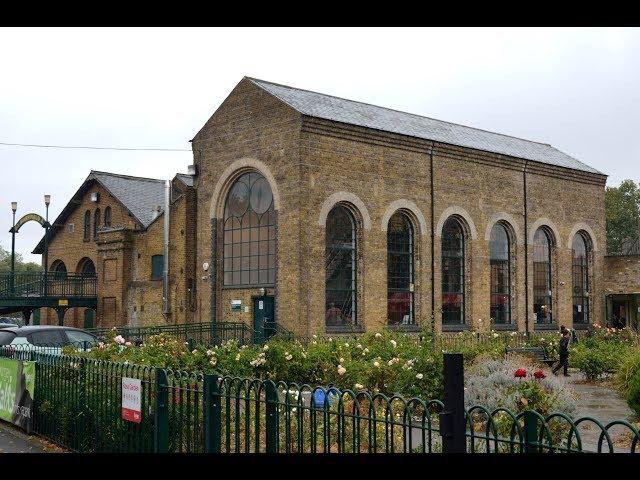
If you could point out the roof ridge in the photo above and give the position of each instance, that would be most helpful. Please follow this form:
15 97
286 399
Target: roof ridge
396 110
121 175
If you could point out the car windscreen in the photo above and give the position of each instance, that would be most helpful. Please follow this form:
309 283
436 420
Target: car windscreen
6 337
77 336
47 338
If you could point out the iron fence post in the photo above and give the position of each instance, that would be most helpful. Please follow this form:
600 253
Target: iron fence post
82 385
531 444
212 414
271 427
452 419
161 431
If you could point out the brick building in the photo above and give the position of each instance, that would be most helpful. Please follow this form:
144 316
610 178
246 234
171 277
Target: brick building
331 215
354 217
113 228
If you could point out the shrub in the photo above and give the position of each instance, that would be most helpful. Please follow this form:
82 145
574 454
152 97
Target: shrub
633 392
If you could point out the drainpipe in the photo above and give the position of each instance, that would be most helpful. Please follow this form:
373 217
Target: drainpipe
165 256
433 260
526 251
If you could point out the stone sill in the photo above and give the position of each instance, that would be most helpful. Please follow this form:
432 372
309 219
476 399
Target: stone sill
509 327
344 329
546 326
582 326
403 328
455 328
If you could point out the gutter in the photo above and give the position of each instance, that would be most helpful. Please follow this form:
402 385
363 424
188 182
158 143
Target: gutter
526 250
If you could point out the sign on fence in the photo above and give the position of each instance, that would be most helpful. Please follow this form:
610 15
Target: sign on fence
17 384
131 399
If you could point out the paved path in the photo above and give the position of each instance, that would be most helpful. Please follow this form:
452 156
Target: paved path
13 440
600 401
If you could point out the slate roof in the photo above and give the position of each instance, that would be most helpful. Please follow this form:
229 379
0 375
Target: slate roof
186 179
337 109
141 196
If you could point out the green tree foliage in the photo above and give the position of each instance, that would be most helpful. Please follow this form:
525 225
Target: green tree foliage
21 265
622 206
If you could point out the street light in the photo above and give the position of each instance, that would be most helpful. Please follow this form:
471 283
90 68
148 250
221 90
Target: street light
14 207
47 201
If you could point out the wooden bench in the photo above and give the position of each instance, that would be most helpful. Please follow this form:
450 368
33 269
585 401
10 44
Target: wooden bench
536 352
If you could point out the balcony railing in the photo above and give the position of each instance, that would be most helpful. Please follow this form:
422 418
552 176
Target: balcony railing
51 284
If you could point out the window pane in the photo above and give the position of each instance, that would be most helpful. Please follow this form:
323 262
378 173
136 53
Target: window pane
580 274
542 294
400 270
453 262
500 263
340 267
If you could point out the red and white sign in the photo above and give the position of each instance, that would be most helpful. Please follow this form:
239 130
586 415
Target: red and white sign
131 399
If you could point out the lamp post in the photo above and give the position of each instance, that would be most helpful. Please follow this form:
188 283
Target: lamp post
14 207
47 201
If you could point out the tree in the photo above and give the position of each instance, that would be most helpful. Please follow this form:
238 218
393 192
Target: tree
21 265
622 205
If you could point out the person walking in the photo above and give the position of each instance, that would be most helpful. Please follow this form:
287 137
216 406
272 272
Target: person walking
564 354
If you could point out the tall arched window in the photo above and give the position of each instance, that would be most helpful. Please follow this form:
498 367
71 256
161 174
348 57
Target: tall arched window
107 217
542 276
500 262
87 226
400 275
580 270
340 267
249 232
453 278
87 268
96 223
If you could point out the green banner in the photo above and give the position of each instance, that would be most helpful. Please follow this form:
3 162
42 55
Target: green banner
17 386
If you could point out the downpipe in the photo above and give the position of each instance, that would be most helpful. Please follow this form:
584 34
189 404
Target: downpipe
165 256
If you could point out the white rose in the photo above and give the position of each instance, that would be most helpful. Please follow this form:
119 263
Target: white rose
376 364
358 386
394 343
289 357
265 348
341 370
378 335
341 360
419 376
237 357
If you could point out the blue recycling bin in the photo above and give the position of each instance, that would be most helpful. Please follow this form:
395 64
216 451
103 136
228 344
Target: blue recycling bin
319 396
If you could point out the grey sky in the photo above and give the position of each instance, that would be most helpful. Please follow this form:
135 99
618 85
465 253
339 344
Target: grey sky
577 89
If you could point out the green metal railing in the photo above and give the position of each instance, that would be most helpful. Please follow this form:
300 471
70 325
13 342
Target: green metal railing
51 284
78 405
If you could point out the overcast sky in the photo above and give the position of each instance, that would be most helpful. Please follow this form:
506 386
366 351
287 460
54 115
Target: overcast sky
577 89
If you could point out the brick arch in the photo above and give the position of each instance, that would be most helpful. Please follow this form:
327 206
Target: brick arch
460 212
587 229
345 197
545 222
230 174
510 222
406 205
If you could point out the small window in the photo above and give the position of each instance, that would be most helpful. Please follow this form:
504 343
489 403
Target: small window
157 264
87 226
71 227
107 217
76 336
96 223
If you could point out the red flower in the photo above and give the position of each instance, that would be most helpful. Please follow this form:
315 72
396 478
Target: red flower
520 373
539 374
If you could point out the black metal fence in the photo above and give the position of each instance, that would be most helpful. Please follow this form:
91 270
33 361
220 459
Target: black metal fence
78 405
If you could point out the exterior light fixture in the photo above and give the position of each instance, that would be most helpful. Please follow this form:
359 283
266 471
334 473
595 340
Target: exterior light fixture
262 291
47 200
14 206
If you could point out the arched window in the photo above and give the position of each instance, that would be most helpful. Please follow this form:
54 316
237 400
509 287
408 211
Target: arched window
87 268
400 275
249 232
96 223
107 217
542 276
453 278
87 226
340 267
580 271
59 269
500 262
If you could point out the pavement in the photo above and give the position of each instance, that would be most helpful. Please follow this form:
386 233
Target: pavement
14 440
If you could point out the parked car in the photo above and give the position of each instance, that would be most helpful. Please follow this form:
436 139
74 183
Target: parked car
45 338
10 321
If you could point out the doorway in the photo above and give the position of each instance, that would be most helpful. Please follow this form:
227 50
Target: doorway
264 325
88 318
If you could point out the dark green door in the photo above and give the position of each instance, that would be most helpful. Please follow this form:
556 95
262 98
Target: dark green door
88 318
263 318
